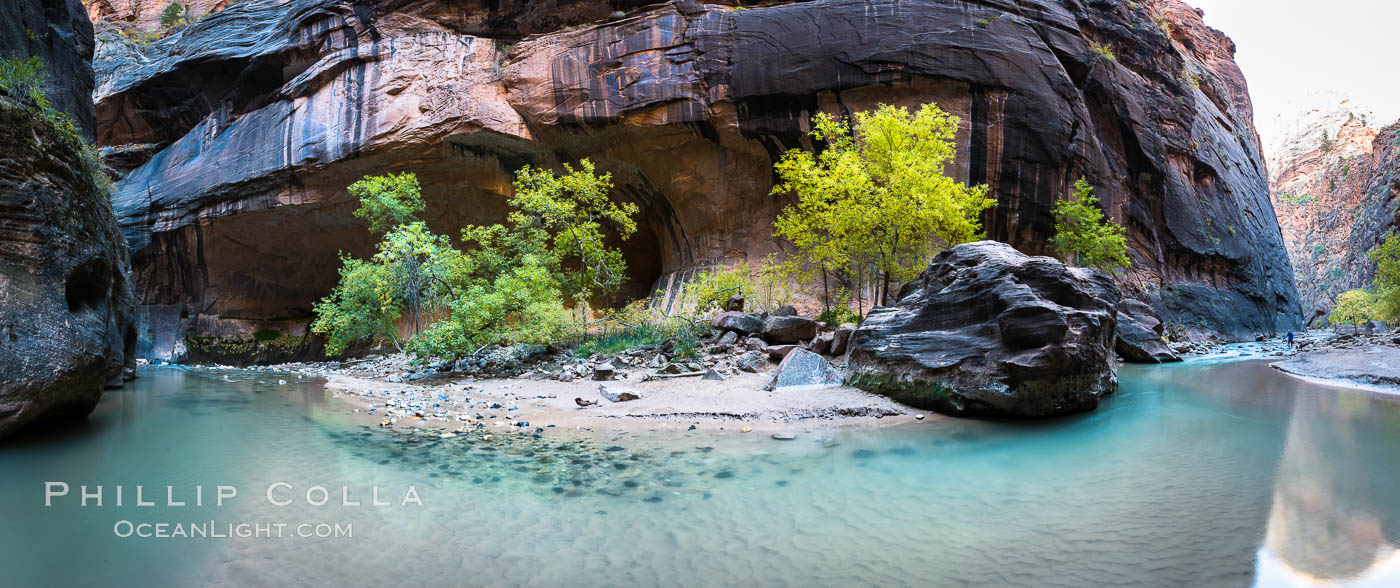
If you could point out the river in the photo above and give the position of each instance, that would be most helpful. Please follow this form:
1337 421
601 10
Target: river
1197 474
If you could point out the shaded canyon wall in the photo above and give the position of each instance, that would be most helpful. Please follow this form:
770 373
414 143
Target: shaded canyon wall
65 297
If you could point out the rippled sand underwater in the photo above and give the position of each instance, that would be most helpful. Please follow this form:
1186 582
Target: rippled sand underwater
1224 474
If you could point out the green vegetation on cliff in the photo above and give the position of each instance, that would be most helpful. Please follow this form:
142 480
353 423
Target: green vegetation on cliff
23 80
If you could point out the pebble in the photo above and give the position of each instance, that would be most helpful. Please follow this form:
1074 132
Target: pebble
746 429
919 416
784 436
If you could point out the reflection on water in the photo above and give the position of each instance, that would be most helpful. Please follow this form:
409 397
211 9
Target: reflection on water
1336 499
1201 474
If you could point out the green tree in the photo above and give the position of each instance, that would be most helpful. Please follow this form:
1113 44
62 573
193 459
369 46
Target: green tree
576 209
1084 237
1386 256
174 14
1354 307
875 205
411 278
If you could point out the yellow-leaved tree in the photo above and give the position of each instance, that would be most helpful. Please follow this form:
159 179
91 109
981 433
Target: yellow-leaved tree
876 204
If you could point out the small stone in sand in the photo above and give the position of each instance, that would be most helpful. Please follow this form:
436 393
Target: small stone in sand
745 429
619 395
784 436
919 416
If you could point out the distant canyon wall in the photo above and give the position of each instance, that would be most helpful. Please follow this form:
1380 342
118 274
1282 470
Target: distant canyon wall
242 131
1335 180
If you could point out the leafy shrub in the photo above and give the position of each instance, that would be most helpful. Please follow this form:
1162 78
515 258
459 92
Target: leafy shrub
839 315
764 290
507 285
23 80
1103 51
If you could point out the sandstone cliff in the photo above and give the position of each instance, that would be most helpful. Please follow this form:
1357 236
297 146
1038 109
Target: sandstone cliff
260 114
1335 181
65 298
144 16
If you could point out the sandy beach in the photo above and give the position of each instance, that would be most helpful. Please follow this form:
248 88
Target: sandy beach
736 403
1374 369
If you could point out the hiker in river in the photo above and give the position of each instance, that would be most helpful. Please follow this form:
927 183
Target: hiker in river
1290 338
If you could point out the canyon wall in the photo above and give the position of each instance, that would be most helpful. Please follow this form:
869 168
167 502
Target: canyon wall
57 32
1335 181
65 298
242 131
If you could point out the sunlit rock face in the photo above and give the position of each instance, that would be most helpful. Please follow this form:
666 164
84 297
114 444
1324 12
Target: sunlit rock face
1335 180
1336 188
145 15
262 113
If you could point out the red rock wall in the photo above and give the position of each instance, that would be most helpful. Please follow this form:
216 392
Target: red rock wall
1334 183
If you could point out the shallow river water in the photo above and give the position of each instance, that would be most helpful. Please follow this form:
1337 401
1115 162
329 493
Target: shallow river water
1198 474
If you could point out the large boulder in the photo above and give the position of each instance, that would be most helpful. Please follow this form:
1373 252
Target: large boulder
65 297
789 329
840 338
989 331
65 300
802 368
1139 337
737 322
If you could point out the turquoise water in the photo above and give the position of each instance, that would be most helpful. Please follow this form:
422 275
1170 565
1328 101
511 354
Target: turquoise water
1201 474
